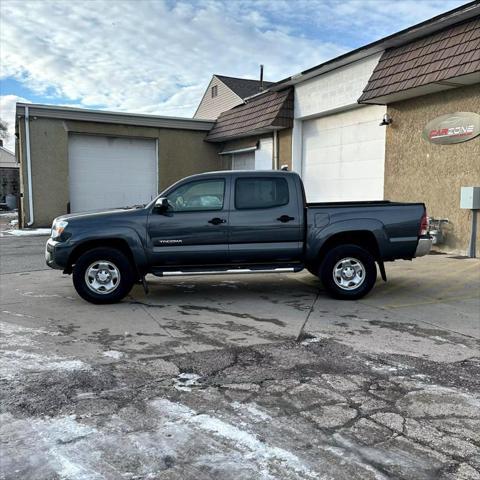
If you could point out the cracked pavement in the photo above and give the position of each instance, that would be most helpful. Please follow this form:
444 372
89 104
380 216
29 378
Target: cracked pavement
238 378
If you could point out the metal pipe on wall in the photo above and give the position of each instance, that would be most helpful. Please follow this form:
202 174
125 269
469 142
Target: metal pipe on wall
275 150
29 168
472 246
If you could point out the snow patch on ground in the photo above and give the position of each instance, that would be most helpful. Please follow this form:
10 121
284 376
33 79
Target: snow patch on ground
113 354
43 295
8 215
15 340
184 381
27 232
254 450
16 314
307 341
12 330
15 362
388 368
57 434
252 410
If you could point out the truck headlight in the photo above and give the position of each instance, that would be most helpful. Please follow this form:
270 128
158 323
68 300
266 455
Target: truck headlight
58 227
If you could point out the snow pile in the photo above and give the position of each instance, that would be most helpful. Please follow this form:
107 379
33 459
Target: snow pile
27 232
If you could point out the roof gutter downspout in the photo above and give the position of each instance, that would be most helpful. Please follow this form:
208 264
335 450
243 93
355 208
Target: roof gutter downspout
29 168
275 150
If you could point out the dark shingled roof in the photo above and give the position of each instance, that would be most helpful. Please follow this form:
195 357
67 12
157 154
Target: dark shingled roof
446 54
264 113
243 87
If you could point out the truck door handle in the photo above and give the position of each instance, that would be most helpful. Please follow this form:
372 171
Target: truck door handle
285 218
217 221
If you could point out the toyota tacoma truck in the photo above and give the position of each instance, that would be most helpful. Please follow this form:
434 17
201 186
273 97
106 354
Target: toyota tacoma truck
236 222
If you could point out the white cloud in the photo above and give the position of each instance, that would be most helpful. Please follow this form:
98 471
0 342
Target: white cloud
136 56
157 56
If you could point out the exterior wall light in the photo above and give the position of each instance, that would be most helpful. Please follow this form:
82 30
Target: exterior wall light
386 120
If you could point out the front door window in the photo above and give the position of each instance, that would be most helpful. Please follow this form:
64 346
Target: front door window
201 195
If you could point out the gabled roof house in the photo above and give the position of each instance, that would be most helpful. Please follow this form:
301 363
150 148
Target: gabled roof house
224 93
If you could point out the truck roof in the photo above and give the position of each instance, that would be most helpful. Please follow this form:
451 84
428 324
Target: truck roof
238 173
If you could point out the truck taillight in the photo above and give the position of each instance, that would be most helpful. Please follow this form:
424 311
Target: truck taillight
423 224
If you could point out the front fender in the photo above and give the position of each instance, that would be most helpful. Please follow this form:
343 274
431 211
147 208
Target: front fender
129 235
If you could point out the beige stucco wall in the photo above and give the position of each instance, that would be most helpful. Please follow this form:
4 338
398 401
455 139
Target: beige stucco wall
416 170
285 148
181 153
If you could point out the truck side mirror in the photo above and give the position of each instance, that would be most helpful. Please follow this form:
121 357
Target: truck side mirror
161 204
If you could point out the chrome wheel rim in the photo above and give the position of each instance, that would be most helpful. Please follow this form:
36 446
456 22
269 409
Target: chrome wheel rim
102 277
349 273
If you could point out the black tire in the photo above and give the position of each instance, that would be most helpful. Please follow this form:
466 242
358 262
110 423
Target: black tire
122 270
361 261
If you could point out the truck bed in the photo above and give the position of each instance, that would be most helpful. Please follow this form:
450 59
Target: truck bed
360 203
395 225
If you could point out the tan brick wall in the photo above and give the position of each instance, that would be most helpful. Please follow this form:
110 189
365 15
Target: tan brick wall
419 171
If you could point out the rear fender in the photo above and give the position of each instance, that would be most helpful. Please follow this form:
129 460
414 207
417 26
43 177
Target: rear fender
318 238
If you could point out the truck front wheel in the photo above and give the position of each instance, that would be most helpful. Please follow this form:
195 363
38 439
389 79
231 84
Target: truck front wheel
348 272
103 275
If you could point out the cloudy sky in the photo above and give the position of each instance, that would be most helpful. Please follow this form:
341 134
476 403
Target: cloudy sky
157 56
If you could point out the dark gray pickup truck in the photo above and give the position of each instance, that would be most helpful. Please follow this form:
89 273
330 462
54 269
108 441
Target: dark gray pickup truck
236 222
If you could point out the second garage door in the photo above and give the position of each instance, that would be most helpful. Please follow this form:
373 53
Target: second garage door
343 156
111 172
259 159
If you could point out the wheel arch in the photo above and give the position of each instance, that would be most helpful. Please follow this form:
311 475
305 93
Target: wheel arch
119 244
363 238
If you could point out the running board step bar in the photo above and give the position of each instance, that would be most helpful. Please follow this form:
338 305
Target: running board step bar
231 271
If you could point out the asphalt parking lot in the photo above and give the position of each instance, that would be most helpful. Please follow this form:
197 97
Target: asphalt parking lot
240 377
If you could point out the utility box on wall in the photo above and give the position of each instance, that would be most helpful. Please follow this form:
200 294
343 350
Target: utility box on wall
470 198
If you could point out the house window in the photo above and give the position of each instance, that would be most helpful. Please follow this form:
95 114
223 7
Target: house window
214 91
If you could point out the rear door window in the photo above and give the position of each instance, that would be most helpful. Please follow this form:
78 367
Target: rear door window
260 192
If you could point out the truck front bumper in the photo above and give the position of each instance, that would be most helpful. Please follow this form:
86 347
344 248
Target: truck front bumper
56 254
424 246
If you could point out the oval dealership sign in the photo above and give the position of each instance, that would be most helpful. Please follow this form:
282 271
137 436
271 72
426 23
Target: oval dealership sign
452 128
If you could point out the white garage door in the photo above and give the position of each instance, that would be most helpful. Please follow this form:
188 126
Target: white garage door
259 159
243 161
263 155
110 172
343 156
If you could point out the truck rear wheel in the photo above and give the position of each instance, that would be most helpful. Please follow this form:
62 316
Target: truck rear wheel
348 272
103 275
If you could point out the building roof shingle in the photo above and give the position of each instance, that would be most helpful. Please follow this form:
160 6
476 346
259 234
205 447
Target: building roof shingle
269 111
243 87
447 54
